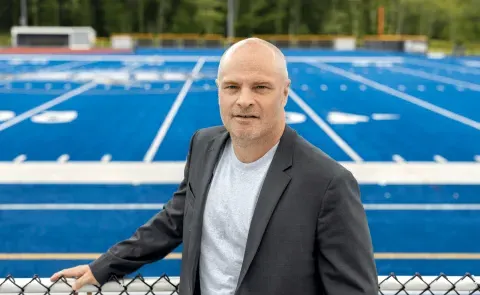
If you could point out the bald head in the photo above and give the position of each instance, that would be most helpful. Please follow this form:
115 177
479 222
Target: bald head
255 49
253 88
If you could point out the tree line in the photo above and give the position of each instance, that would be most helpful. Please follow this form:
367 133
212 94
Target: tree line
453 20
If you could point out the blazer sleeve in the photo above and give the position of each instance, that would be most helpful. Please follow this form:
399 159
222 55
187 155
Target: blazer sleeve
345 252
151 242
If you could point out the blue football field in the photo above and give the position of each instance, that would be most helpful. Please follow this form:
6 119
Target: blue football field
92 146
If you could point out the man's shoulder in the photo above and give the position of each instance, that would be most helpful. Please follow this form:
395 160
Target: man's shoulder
209 133
313 159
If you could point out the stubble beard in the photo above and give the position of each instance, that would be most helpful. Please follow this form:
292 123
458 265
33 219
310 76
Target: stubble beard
257 134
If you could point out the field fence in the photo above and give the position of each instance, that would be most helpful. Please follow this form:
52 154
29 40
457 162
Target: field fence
139 285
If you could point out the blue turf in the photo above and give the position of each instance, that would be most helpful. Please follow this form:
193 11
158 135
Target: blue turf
66 231
471 75
13 67
123 121
46 268
465 103
93 231
423 132
373 141
161 193
88 138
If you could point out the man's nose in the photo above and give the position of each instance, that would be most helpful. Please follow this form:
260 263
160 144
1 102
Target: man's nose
245 99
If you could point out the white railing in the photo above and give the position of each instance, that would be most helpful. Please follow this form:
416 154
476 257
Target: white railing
391 284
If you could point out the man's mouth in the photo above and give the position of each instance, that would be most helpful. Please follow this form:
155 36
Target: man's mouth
245 116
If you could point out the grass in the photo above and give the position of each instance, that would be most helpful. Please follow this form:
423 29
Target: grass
447 47
443 46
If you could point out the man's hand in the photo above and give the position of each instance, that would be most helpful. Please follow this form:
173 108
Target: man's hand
82 273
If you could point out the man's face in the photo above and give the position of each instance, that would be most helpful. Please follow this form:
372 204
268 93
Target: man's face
252 94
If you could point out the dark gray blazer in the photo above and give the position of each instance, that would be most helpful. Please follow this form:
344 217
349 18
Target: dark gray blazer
309 232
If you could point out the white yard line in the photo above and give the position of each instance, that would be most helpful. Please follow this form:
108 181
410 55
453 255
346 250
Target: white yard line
451 67
137 173
65 66
51 103
325 127
438 78
162 131
61 67
159 206
422 207
194 58
76 206
416 101
62 98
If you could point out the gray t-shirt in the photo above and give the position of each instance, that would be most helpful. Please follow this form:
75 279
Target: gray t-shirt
228 211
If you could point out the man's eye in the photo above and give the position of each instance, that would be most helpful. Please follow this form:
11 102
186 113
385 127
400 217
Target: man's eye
261 87
231 87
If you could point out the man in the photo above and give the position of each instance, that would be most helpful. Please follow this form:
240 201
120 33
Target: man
260 210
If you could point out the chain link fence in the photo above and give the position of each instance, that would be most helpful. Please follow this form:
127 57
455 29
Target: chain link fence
391 284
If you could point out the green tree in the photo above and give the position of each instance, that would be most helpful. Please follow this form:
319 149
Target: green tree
48 13
453 20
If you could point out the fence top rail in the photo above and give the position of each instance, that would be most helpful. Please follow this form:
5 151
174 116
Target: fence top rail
416 283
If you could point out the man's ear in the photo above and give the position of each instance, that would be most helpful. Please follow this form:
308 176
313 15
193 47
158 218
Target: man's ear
285 92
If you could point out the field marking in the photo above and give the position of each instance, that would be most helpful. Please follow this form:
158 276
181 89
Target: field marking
422 207
17 76
65 66
64 256
77 206
47 105
434 77
414 100
446 256
178 256
162 131
193 58
325 127
136 173
419 62
160 206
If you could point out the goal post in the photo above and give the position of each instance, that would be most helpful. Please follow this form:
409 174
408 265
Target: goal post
75 38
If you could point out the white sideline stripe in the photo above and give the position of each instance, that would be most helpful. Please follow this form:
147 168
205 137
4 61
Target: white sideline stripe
192 58
451 67
325 127
136 173
159 206
426 207
31 285
65 66
120 206
401 95
47 105
61 67
152 150
438 78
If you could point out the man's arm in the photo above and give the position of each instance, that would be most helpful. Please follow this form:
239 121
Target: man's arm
151 242
345 252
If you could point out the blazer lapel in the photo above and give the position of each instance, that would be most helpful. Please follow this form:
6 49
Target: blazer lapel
207 165
275 183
